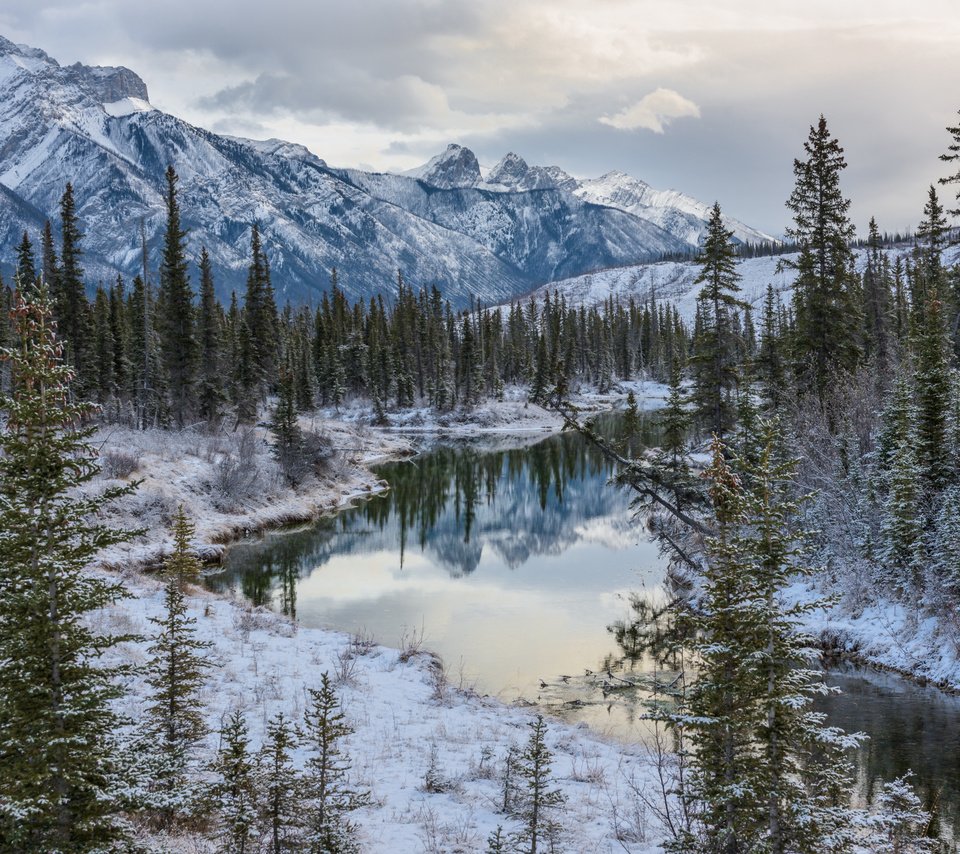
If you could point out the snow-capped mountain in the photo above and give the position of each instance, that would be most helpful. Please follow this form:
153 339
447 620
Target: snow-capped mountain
492 236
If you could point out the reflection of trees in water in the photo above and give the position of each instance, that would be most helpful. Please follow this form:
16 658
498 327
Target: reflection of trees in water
453 502
910 729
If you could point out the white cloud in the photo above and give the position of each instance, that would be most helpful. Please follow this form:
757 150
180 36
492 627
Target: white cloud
653 111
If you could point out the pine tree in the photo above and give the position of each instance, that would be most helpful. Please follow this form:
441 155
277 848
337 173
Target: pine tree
211 392
233 793
74 322
330 797
279 785
826 339
60 760
176 316
952 154
176 673
538 800
714 359
288 446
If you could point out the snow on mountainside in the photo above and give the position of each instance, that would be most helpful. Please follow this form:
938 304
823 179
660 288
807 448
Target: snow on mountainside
673 281
447 225
681 215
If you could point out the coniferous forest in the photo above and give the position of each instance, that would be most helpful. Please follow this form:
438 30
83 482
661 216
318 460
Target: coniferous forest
811 451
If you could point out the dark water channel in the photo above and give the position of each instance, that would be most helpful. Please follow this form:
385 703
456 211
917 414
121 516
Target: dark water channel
510 557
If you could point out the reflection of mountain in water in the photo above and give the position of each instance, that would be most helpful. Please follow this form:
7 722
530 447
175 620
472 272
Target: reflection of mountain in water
451 504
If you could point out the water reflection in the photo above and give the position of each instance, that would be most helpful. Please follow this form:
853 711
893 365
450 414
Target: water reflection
911 728
513 555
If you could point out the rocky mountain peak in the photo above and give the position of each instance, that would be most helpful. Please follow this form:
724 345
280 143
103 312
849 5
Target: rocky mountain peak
107 83
510 171
455 167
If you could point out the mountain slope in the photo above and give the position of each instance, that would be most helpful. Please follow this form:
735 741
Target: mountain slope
491 238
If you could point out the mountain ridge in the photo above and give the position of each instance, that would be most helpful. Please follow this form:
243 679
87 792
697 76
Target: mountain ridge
446 225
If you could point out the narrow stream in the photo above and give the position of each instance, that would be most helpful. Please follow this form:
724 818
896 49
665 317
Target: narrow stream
510 558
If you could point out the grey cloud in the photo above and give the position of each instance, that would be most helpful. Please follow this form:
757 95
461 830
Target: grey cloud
534 77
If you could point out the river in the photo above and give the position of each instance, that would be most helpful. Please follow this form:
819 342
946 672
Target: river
511 558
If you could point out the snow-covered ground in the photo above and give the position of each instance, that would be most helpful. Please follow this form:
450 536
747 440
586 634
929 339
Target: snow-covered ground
512 415
922 646
228 483
409 720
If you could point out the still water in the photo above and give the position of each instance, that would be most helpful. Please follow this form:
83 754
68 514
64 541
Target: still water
510 558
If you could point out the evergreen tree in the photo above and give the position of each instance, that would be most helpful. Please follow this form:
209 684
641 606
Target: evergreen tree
288 446
953 154
330 797
175 673
260 312
233 793
60 761
768 775
770 367
714 359
933 393
279 785
211 391
74 322
826 339
103 347
176 317
26 266
537 799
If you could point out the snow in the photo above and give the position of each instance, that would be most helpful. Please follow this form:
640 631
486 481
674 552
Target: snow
407 717
192 468
127 107
35 157
512 416
406 713
673 281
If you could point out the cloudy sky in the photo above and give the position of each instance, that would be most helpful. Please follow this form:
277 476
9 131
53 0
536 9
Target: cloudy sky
712 97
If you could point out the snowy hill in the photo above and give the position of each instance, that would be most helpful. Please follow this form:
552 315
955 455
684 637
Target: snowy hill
673 281
446 224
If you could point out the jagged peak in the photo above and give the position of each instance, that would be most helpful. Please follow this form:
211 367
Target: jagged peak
511 168
456 166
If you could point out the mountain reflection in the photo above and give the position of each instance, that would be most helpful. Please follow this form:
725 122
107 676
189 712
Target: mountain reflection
451 503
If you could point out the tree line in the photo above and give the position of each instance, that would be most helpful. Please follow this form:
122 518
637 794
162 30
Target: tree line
173 356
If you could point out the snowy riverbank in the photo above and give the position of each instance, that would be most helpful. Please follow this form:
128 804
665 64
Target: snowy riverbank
432 755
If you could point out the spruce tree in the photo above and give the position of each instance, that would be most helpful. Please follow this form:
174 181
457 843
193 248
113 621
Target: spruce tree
826 339
211 393
288 444
103 350
537 800
233 792
279 785
176 317
326 784
74 322
768 774
714 361
26 266
60 760
953 154
176 673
